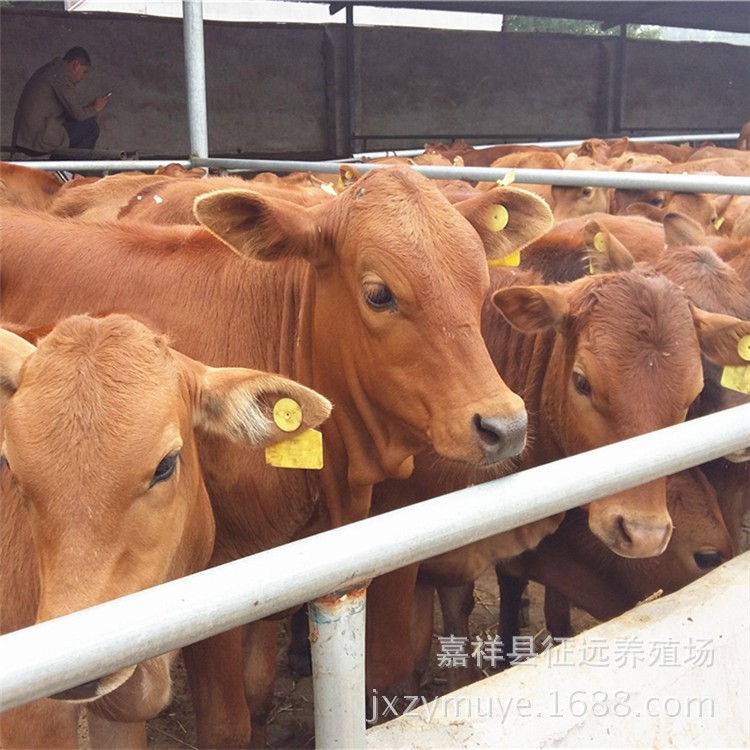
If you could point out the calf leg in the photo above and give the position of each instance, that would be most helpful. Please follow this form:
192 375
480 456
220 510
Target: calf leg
260 675
423 617
557 613
457 604
298 651
388 638
512 589
215 674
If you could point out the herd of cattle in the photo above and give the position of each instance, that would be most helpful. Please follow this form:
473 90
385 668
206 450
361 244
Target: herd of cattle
158 328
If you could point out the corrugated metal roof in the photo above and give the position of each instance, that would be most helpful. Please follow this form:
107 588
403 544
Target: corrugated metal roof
732 16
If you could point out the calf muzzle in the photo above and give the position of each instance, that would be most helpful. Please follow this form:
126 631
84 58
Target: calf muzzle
501 437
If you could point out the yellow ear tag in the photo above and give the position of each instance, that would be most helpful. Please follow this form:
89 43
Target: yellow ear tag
719 221
509 179
513 259
738 378
497 219
304 451
600 244
287 414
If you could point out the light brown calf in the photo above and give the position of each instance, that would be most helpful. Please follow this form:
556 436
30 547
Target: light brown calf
103 494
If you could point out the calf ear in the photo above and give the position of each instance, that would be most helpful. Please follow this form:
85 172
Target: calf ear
348 175
14 351
239 404
606 253
682 230
507 219
646 210
719 336
531 309
254 225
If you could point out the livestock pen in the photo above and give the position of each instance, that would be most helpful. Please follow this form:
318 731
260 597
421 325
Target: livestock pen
59 654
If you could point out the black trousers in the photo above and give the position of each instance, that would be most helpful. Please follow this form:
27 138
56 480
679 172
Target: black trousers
83 133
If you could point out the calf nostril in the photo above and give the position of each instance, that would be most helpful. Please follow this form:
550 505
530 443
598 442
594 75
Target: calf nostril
488 431
621 527
500 437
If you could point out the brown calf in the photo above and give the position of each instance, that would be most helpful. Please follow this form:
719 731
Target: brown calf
103 493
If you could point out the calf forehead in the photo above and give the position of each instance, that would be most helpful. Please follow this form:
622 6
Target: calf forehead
643 310
640 332
93 391
403 213
397 225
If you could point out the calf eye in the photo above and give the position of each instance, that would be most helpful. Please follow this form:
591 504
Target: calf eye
707 560
581 384
165 469
378 296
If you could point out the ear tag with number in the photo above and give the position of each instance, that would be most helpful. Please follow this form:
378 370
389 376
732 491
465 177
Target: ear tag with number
600 244
303 451
738 378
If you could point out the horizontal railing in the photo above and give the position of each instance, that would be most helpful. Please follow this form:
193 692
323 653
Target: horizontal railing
683 183
68 651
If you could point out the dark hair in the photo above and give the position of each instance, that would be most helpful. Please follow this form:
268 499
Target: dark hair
77 53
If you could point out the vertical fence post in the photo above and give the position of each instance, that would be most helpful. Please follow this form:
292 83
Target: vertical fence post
195 75
337 640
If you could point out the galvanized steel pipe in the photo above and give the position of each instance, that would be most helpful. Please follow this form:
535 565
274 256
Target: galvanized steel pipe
104 165
195 75
686 138
70 650
337 645
682 183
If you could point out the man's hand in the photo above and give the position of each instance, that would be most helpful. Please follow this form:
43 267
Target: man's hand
100 102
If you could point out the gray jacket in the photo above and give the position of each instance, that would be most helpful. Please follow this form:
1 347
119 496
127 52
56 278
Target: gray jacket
48 99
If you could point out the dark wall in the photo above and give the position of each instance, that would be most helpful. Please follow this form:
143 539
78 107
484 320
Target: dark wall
282 89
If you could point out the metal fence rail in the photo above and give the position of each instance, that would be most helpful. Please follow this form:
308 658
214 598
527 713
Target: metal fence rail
682 183
70 650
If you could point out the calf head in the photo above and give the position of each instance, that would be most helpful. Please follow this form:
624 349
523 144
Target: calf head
701 540
399 276
710 283
625 360
100 455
